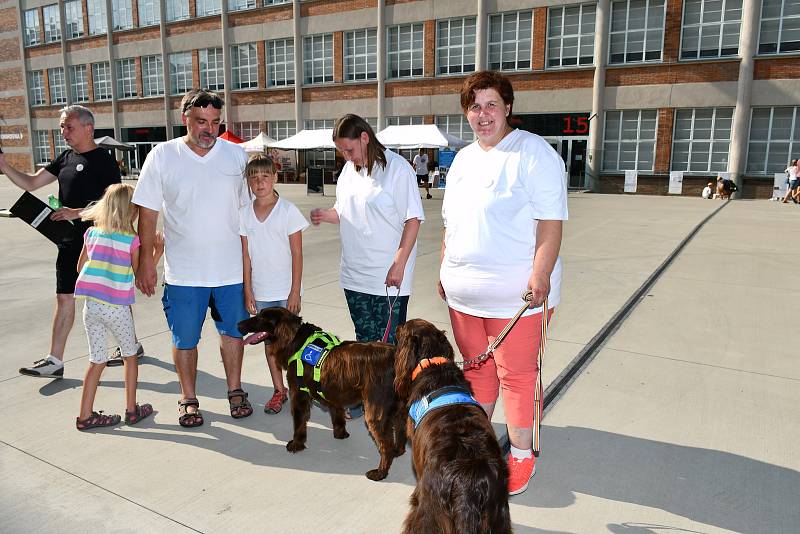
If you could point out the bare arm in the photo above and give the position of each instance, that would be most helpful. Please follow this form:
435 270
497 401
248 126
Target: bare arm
296 246
25 181
395 275
320 215
146 274
247 278
548 244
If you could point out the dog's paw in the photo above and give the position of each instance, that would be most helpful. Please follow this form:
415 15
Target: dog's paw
376 474
295 446
340 433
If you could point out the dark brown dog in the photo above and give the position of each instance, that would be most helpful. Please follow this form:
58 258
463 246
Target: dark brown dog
462 477
352 373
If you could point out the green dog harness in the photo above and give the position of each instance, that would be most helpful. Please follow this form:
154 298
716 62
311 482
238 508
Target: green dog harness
313 352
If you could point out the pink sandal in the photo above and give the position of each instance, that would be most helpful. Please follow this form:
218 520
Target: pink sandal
96 420
276 402
139 413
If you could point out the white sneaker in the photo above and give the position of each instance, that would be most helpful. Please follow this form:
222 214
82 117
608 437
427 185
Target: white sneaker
116 359
48 367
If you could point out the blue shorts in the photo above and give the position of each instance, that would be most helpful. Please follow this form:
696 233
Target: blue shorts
263 304
185 308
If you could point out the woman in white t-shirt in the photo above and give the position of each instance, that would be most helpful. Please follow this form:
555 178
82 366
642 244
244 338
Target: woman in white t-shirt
272 255
378 211
503 209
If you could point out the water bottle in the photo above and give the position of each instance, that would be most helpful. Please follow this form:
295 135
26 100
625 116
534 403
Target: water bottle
53 201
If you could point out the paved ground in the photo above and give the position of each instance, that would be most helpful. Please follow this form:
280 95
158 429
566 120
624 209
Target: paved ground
686 421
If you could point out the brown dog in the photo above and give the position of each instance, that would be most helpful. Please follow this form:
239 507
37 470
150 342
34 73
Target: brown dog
461 475
352 373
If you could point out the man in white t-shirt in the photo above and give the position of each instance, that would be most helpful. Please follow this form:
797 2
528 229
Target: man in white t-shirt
196 181
421 168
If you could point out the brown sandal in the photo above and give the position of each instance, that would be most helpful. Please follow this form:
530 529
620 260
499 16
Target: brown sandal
138 413
96 420
186 418
240 409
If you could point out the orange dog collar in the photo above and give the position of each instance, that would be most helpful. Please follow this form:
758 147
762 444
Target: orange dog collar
427 362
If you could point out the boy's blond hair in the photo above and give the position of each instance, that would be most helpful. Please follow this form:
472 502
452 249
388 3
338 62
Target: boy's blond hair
112 213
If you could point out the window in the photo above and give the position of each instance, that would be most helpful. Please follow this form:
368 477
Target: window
570 35
79 83
404 120
320 158
701 140
212 75
208 7
276 2
101 80
318 58
630 140
126 78
710 28
36 88
456 125
177 10
280 129
780 27
148 13
318 124
244 66
41 147
774 139
510 41
637 31
52 23
31 23
122 14
60 144
280 62
239 5
361 54
455 46
96 10
246 130
405 49
152 76
74 19
180 73
58 89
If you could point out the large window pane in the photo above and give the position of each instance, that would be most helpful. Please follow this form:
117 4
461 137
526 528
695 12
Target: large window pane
637 31
629 142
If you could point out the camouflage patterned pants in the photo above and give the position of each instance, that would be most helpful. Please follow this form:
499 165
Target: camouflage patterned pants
370 313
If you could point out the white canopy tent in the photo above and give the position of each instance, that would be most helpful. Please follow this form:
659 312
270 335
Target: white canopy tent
109 142
307 140
259 143
418 136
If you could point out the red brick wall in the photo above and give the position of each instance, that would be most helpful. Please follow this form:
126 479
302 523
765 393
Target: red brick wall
42 50
195 70
138 70
326 7
672 31
260 16
338 57
271 96
262 63
695 72
12 107
11 79
539 41
141 104
9 49
20 161
137 34
42 112
753 188
8 19
97 41
90 81
16 129
776 68
666 117
429 49
342 92
135 12
194 26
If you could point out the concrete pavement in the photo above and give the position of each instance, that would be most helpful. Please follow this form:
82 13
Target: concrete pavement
687 420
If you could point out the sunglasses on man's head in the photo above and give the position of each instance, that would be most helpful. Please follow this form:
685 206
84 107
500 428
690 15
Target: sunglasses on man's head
203 100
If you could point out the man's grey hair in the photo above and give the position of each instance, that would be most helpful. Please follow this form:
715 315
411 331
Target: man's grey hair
83 114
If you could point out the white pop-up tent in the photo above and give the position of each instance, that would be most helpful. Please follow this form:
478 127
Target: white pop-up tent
259 143
418 136
307 140
109 142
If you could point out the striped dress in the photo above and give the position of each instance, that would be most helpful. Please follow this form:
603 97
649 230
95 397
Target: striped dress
107 276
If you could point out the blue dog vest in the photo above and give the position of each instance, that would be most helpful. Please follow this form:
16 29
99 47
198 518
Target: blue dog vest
438 398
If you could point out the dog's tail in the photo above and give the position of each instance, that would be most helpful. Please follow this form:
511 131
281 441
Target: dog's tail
476 493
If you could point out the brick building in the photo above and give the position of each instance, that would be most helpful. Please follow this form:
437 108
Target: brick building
647 85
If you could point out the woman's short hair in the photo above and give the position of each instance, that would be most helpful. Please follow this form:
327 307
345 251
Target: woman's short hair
486 79
258 164
351 127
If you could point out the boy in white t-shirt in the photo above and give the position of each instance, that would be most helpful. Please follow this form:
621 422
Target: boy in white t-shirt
272 254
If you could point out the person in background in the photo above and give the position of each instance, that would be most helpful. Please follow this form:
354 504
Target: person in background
793 189
421 168
503 212
708 191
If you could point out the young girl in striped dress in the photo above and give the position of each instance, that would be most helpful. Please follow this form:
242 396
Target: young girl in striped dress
106 268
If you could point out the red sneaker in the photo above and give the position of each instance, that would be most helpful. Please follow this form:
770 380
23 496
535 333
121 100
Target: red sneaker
276 402
520 473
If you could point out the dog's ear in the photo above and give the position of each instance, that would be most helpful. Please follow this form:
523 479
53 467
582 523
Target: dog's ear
405 360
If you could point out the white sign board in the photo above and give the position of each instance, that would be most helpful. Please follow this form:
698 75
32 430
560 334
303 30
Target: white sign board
675 182
631 178
779 186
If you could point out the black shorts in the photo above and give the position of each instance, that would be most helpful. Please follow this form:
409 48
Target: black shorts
67 268
422 179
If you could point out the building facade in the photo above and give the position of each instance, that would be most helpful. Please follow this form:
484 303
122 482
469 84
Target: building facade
615 85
